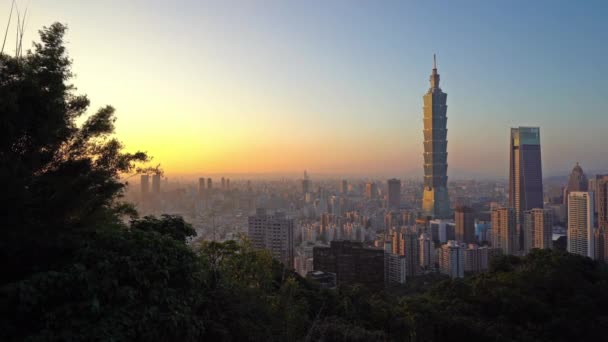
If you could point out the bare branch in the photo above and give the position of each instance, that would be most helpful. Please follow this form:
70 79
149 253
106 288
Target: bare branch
10 16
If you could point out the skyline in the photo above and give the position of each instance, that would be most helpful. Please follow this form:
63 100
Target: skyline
336 88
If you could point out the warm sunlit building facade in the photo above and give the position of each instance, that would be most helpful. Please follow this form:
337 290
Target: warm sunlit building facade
538 228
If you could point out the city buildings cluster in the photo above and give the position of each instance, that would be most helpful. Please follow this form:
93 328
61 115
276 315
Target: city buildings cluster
384 232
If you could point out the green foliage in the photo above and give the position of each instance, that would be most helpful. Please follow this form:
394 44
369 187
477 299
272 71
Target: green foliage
169 225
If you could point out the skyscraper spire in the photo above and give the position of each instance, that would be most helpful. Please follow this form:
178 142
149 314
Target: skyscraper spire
434 74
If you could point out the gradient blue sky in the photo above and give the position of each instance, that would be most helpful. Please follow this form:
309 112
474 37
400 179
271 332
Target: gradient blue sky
336 86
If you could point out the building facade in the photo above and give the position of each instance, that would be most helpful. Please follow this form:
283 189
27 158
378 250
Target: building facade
465 224
580 223
275 233
435 202
538 227
427 251
351 262
395 267
371 190
144 183
525 175
394 193
504 232
601 185
451 259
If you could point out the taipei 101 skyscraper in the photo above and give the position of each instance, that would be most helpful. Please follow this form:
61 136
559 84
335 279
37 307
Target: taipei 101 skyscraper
435 201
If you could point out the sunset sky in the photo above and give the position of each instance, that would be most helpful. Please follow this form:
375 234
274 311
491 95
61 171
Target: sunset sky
335 87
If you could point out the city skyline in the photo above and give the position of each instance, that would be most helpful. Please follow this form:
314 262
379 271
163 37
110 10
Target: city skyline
345 104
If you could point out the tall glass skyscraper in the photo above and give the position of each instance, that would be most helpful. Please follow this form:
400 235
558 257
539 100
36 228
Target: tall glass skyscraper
525 174
435 201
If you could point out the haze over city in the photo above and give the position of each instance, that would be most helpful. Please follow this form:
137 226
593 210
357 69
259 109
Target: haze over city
235 87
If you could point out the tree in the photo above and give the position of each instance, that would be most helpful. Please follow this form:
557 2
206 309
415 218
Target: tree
62 180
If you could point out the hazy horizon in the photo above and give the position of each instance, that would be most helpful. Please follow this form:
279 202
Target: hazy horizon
336 88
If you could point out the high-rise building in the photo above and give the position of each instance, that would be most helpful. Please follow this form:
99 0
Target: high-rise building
201 186
209 183
504 232
351 262
427 252
145 185
223 183
472 258
371 190
477 259
435 201
580 223
538 227
394 193
600 248
525 175
344 187
274 233
394 266
451 260
306 184
156 184
411 250
442 230
601 185
227 183
465 224
576 182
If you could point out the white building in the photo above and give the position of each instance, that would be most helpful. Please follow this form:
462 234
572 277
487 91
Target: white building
580 223
395 266
451 261
274 233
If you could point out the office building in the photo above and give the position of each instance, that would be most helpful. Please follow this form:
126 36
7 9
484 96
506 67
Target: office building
451 259
201 186
394 266
465 224
306 184
477 259
580 223
394 193
600 248
145 185
601 185
351 262
273 232
156 184
504 232
209 183
538 228
577 181
371 191
427 251
442 230
525 175
344 187
395 271
435 202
